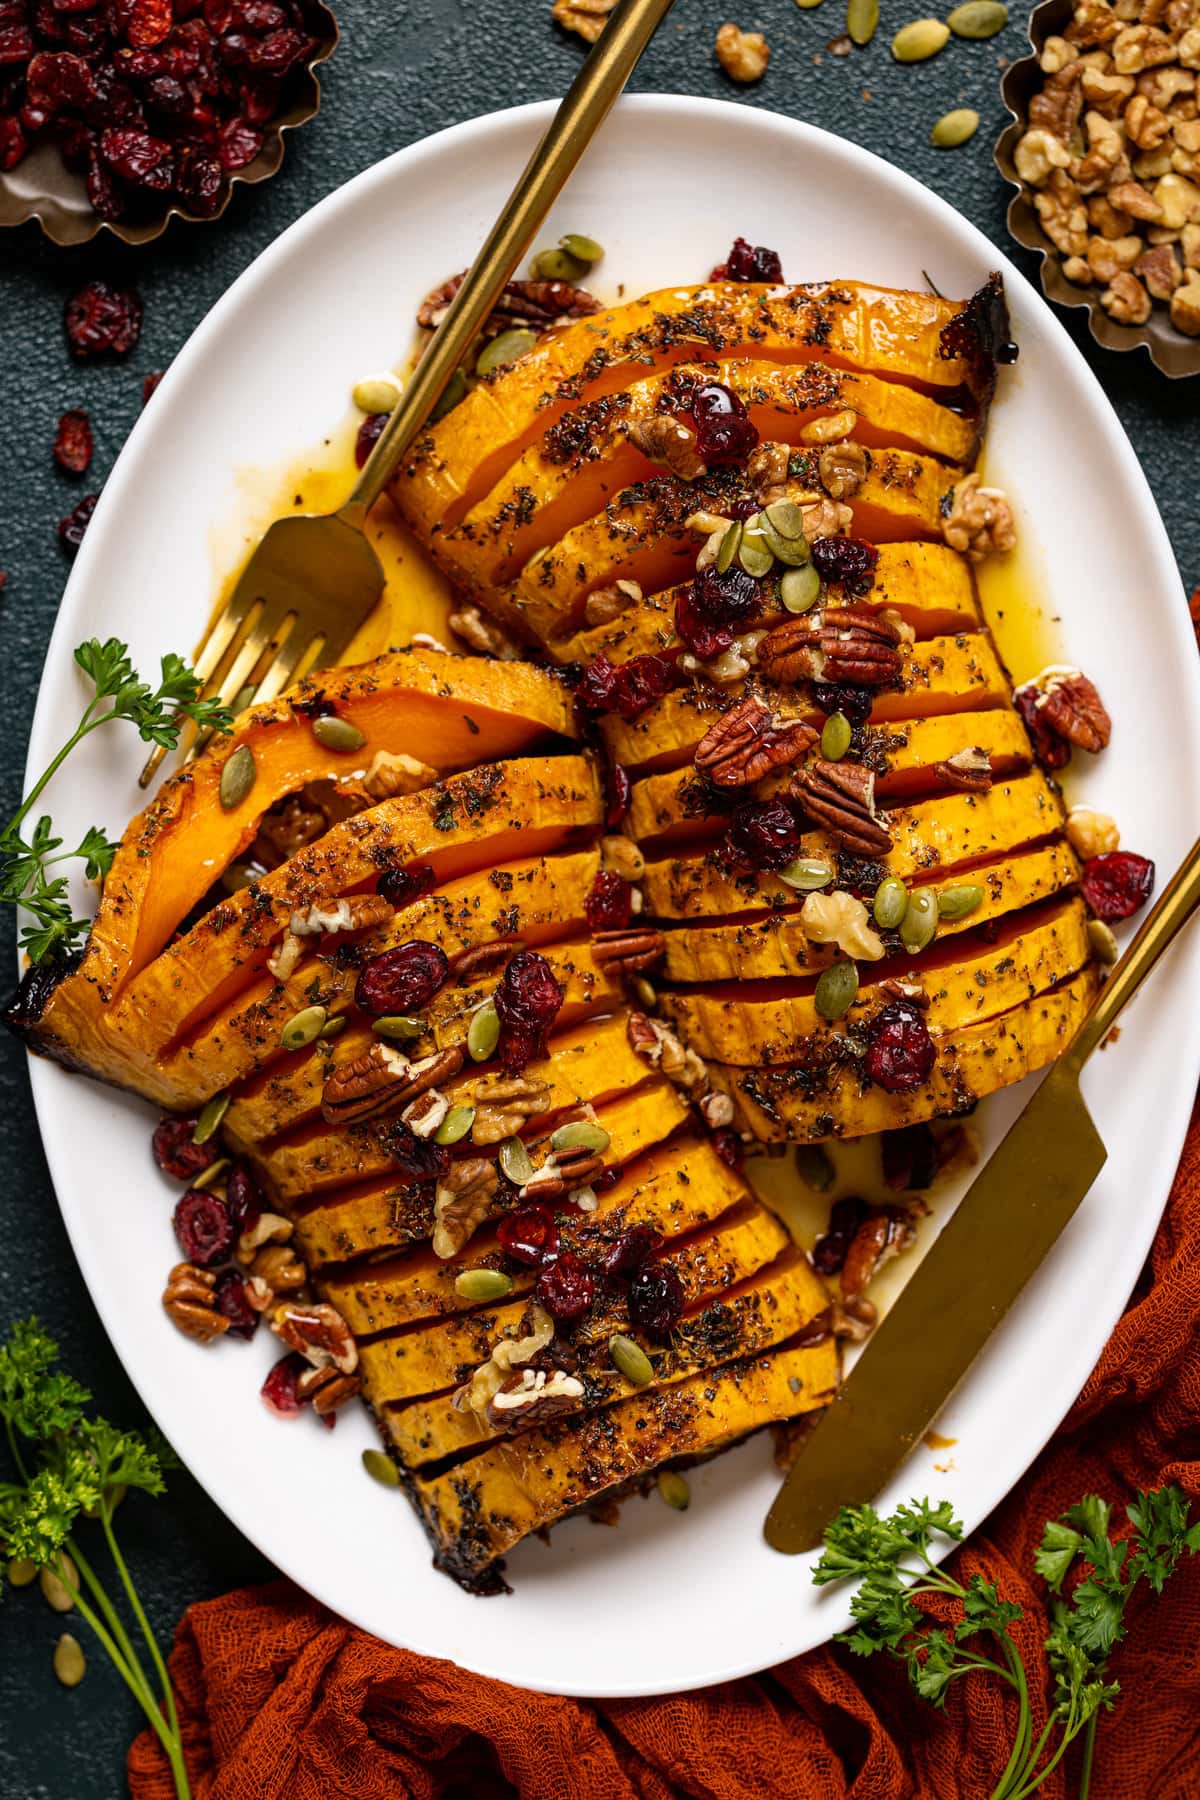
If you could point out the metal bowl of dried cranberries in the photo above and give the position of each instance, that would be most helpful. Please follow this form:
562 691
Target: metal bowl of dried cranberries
117 114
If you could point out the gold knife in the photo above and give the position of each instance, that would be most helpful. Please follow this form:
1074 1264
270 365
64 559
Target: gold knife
1005 1224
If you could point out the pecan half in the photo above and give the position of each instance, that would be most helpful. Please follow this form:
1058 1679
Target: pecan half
275 1270
628 952
970 771
189 1303
1070 705
464 1195
562 1173
504 1103
485 956
327 1389
841 797
424 1115
537 304
848 643
264 1228
658 1045
319 1333
533 1397
748 741
381 1080
883 1234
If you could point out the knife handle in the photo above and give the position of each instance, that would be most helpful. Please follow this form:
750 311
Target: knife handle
1171 912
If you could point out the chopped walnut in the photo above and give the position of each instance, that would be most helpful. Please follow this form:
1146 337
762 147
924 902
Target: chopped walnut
1140 47
1077 269
327 1389
1105 93
1159 269
1146 125
587 18
1093 22
1037 153
767 471
742 54
1091 833
1180 201
1126 300
393 773
670 443
1060 209
1106 161
831 429
843 468
1185 305
463 1197
1103 217
290 825
1057 108
508 1353
1163 87
608 603
980 520
483 634
733 665
1056 54
658 1045
279 1270
282 964
838 918
1108 256
825 518
1131 197
268 1228
505 1103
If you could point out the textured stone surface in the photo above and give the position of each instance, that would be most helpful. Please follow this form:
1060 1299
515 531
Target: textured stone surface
389 84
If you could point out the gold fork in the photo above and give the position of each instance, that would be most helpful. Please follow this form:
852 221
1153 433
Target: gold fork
313 579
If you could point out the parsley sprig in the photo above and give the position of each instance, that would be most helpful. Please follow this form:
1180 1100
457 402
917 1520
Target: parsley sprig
64 1466
892 1561
28 862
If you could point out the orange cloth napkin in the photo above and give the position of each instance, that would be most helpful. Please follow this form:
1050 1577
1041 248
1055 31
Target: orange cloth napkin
283 1701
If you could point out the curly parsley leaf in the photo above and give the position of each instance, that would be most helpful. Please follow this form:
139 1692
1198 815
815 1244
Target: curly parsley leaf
37 1399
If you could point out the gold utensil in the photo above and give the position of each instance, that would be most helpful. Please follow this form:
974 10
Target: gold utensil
1004 1226
314 578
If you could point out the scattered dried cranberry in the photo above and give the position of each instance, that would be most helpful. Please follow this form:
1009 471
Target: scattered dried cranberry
849 560
749 262
606 1179
624 1256
243 1198
101 319
900 1054
174 1151
279 1389
368 436
730 597
845 1217
416 1158
1052 752
402 980
910 1158
728 1146
1116 883
609 906
762 834
626 691
73 442
203 1227
655 1298
528 1000
400 887
705 640
229 1298
566 1288
151 382
529 1236
843 697
725 432
71 529
617 789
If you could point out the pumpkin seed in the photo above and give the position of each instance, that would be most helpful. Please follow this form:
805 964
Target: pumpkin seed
954 128
482 1284
835 737
580 1134
920 40
630 1360
814 1165
957 902
55 1592
334 1027
674 1489
484 1032
504 349
791 552
785 517
303 1027
647 999
338 734
807 874
70 1664
1103 941
586 249
242 698
454 391
456 1124
754 553
836 989
557 265
862 17
978 18
381 1468
515 1161
800 589
728 548
891 903
21 1571
237 777
401 1027
920 919
211 1114
376 393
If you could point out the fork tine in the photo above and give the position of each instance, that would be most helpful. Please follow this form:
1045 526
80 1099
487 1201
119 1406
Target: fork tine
221 677
281 673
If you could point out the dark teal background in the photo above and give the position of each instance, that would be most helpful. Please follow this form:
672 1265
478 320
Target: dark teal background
400 73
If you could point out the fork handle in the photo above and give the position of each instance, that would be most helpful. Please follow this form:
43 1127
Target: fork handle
604 73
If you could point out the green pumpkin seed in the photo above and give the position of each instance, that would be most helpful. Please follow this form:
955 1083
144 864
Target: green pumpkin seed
237 777
807 874
482 1284
630 1360
211 1114
920 40
401 1028
837 989
484 1032
978 19
242 698
814 1165
954 128
334 1027
957 902
862 17
835 737
728 548
754 553
376 393
1103 941
785 517
674 1489
515 1161
791 552
800 589
56 1593
920 919
209 1177
70 1665
557 265
891 903
21 1572
381 1468
580 1134
338 734
504 349
455 1126
303 1027
586 249
454 391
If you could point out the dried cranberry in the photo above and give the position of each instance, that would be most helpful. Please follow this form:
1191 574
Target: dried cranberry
606 1179
528 1000
174 1151
728 1146
849 560
203 1227
103 191
626 691
749 262
368 436
703 639
529 1236
655 1298
910 1158
617 790
845 1217
1117 883
609 905
402 980
16 43
240 143
762 834
624 1256
594 690
566 1288
149 23
725 432
133 155
13 142
167 97
243 1197
279 1389
73 442
151 382
1051 751
730 597
199 181
100 318
400 887
900 1054
259 16
280 51
229 1298
843 697
59 81
72 528
415 1158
